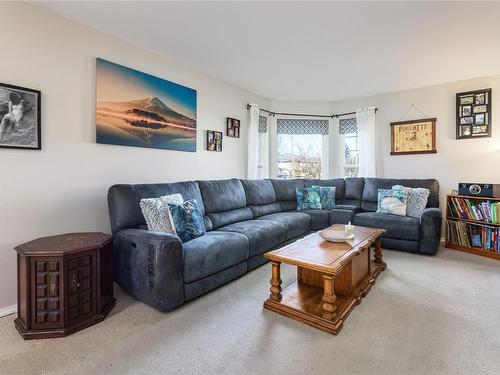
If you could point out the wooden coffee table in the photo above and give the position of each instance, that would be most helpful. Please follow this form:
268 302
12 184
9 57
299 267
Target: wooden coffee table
332 278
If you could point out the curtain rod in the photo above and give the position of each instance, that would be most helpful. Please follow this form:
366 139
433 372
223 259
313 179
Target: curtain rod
271 113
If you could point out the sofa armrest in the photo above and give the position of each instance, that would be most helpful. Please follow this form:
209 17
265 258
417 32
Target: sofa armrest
148 265
340 216
430 231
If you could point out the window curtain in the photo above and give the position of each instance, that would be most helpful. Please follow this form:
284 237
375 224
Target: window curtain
365 122
253 143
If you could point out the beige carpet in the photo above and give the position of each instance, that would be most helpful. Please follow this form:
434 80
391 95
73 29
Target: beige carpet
425 315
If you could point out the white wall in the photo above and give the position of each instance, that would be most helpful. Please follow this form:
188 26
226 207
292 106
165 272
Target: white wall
470 160
63 187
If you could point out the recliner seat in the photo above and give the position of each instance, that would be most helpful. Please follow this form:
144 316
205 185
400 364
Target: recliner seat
244 219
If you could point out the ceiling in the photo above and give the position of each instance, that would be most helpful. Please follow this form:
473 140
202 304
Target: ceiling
322 51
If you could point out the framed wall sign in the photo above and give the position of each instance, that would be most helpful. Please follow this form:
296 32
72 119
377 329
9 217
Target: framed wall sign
474 114
214 140
233 127
413 137
20 120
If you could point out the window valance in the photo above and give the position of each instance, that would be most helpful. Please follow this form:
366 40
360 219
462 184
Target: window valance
300 126
348 125
262 124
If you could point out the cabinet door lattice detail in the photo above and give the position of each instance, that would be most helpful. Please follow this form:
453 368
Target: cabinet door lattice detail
46 288
81 289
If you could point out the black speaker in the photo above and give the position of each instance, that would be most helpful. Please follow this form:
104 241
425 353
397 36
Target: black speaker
479 190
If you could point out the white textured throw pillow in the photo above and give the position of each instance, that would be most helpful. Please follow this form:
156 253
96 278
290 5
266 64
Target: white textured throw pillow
157 214
416 201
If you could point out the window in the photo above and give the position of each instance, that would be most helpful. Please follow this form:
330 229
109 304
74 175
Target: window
349 147
300 148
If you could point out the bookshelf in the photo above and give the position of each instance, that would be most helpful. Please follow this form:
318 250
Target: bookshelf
473 225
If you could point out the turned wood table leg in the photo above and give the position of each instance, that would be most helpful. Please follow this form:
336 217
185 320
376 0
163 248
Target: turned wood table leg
378 253
275 282
329 297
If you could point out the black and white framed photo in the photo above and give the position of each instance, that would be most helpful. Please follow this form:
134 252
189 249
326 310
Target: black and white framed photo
474 114
20 122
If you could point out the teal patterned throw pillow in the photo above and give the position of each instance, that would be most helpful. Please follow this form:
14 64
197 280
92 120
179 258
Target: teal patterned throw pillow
187 219
308 199
392 201
326 196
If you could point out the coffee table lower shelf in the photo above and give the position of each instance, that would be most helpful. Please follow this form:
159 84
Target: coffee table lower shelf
304 303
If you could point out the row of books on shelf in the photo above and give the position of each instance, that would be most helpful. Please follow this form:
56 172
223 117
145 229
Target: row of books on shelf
474 235
465 208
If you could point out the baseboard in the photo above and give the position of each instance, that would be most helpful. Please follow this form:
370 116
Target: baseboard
8 310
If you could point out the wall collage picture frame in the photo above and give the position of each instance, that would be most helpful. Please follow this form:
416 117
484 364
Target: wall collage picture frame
474 114
214 140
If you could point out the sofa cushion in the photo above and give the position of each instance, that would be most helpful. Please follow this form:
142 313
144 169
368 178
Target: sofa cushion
326 196
222 195
392 201
265 209
296 223
371 186
187 220
213 252
399 227
285 189
320 219
259 192
157 214
288 205
416 200
261 197
262 235
308 199
354 191
219 219
338 183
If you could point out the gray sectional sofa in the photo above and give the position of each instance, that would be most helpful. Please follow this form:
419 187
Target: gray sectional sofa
243 220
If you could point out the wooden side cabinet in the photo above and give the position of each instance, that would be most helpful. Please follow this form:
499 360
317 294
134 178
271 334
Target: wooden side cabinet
64 284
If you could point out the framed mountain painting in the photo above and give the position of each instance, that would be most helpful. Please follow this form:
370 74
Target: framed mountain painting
141 110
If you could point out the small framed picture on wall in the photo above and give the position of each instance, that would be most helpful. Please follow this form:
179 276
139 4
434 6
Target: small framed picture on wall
214 140
20 122
233 127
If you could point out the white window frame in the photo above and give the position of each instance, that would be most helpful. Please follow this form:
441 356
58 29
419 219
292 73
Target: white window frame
341 154
272 128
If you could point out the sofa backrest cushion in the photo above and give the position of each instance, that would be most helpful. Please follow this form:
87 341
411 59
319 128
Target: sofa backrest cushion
354 191
259 192
225 201
338 183
124 200
286 192
222 195
370 191
219 219
261 197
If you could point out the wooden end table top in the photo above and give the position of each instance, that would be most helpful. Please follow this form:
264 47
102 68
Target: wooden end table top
316 253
